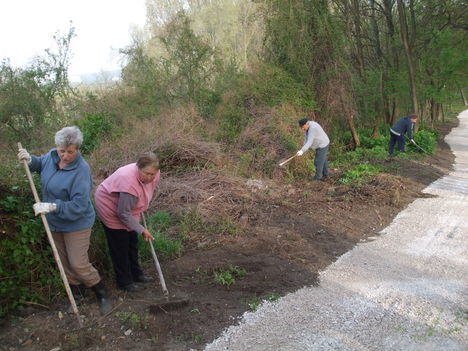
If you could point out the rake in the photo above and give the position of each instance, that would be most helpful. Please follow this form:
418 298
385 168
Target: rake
167 302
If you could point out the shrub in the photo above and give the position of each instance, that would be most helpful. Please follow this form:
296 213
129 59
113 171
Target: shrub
93 127
231 121
369 143
29 96
426 139
276 87
28 270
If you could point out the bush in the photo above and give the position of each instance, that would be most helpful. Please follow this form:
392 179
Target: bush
232 121
29 96
369 143
93 127
426 139
274 86
27 267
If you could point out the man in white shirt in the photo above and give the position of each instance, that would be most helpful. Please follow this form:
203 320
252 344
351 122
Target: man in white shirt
315 138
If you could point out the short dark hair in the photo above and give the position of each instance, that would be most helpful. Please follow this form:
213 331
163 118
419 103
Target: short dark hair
303 121
413 116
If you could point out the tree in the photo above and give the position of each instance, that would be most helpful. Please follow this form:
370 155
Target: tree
29 96
190 61
409 56
307 40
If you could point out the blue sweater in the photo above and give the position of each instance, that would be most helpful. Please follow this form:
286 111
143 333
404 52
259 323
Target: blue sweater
404 125
69 188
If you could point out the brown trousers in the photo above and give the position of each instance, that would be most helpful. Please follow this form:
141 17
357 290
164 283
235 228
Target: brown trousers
73 251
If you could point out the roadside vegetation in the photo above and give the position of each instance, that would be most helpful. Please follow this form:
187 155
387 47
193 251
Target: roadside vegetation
220 107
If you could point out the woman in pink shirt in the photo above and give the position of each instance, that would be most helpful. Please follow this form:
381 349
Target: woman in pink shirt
120 200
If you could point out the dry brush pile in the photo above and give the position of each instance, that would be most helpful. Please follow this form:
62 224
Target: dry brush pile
192 170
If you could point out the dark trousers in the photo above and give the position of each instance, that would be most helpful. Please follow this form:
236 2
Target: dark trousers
321 162
396 139
123 247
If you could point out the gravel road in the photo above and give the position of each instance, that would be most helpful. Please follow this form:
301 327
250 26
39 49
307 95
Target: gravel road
406 289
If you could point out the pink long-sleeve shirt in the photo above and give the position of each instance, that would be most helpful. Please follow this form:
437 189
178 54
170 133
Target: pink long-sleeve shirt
123 180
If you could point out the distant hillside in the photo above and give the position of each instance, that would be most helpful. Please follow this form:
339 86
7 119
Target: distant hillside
99 77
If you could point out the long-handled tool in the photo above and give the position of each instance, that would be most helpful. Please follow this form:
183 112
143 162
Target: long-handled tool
420 148
156 262
52 244
286 161
169 302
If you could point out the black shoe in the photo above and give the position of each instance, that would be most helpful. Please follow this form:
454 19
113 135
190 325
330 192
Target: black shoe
105 304
144 279
132 288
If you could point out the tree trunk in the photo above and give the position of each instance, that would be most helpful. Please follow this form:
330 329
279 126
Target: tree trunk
388 13
426 111
462 92
375 131
439 111
413 23
352 128
433 111
358 35
384 102
409 58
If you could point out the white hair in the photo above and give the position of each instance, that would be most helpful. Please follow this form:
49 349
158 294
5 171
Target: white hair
69 136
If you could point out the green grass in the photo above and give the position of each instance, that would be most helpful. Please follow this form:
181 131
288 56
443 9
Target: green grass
159 224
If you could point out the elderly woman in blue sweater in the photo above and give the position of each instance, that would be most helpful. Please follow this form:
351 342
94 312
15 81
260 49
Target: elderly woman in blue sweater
66 189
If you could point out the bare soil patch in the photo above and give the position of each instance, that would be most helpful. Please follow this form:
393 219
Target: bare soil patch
291 232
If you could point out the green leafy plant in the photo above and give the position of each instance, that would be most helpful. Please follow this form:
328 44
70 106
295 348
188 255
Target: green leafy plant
273 297
27 266
237 271
224 278
228 276
426 139
254 302
93 127
360 174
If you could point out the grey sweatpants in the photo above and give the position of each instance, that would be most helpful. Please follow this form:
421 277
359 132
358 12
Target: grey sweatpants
321 162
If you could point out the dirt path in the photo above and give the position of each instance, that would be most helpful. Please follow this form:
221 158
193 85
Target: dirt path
405 290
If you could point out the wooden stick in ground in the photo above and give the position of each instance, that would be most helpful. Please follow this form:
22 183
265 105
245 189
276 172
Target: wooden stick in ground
289 159
156 262
52 244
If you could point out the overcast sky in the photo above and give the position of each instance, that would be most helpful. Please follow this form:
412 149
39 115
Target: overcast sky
27 28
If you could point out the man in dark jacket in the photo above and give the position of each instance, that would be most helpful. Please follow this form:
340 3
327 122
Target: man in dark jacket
398 130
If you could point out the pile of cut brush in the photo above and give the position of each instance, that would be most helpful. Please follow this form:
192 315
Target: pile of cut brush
213 194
